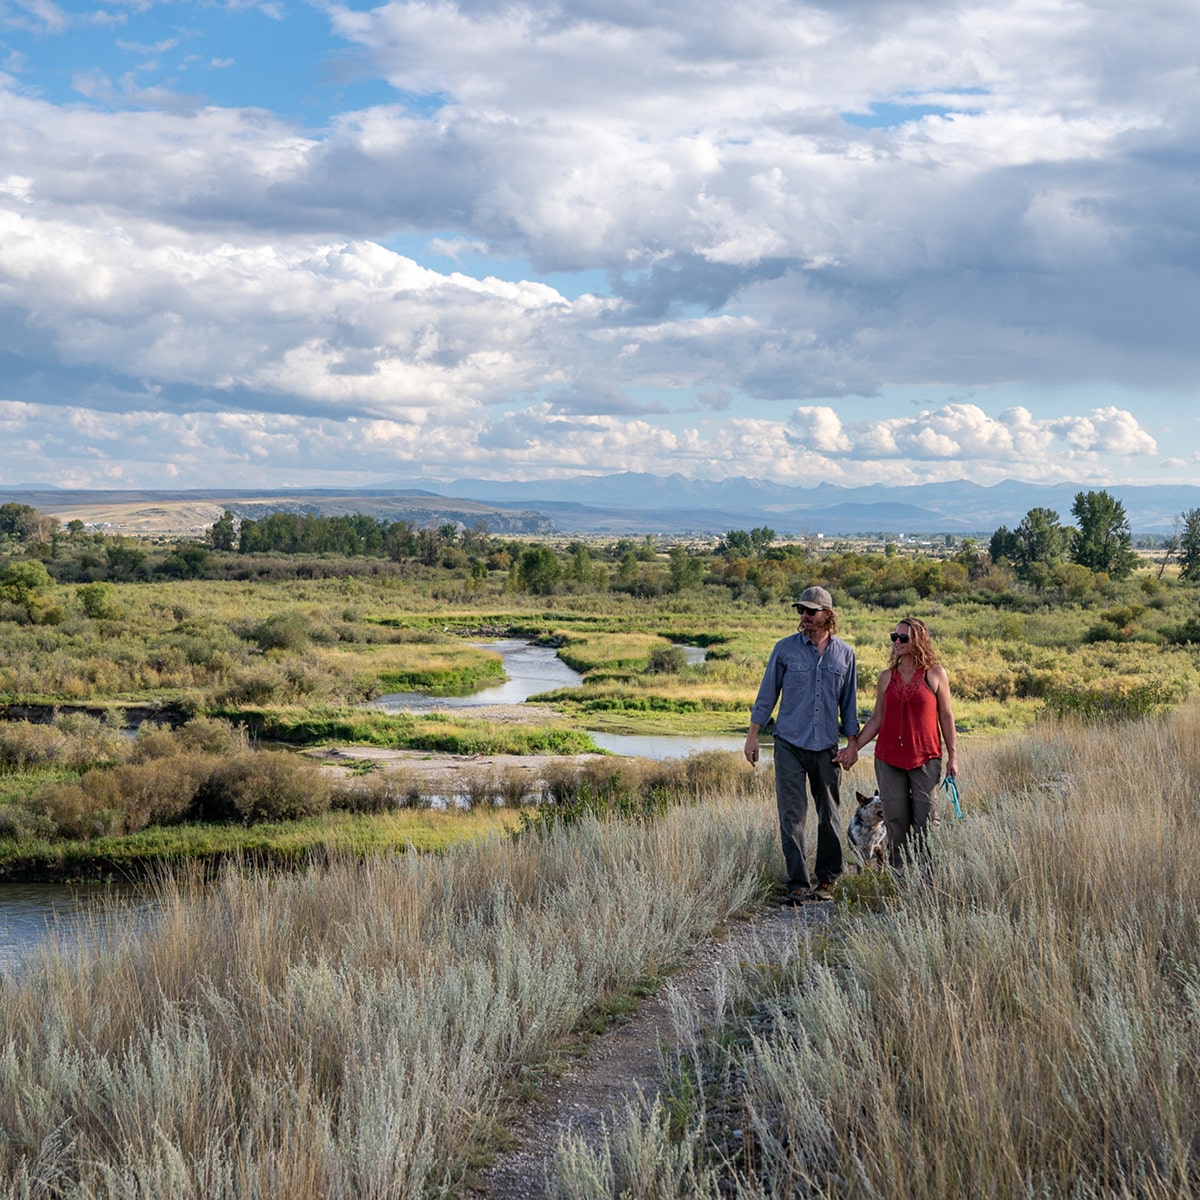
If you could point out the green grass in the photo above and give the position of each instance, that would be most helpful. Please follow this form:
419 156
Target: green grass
192 645
426 731
264 845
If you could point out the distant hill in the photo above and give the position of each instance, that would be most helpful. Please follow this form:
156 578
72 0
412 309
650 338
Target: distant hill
672 503
190 513
625 505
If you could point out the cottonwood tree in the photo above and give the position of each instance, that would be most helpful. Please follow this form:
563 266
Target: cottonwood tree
1103 541
686 571
1189 545
27 584
1041 542
538 570
222 533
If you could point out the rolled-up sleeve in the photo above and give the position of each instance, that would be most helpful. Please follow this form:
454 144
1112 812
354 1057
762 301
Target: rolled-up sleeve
848 700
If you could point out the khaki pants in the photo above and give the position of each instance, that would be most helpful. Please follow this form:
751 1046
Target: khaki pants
910 805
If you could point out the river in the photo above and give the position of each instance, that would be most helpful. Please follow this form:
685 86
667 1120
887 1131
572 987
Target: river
532 669
32 914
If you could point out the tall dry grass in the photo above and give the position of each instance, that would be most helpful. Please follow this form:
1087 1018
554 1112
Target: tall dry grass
350 1031
1026 1023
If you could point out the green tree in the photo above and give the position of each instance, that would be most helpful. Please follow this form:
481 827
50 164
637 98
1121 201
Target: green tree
736 543
186 561
27 584
125 562
1104 542
761 538
538 570
581 563
1003 545
21 522
1189 545
686 570
1042 543
627 569
221 534
400 540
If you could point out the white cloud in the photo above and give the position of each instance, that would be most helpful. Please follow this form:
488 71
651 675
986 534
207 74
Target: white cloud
821 429
762 255
964 438
76 447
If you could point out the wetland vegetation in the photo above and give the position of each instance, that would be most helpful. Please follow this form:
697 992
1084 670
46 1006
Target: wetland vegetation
281 633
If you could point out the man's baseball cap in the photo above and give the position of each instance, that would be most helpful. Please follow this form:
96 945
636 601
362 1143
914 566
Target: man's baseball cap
813 597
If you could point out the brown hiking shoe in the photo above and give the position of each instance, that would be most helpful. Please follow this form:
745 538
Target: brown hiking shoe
823 892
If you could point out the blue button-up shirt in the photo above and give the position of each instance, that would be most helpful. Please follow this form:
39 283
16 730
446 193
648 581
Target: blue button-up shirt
817 694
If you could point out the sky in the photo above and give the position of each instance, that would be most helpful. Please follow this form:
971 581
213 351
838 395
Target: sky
280 244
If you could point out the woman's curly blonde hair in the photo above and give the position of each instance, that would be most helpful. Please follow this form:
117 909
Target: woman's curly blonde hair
923 653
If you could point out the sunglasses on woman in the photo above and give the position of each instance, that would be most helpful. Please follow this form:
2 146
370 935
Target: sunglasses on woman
901 637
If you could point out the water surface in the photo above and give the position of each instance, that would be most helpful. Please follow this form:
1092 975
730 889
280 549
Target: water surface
530 668
33 913
533 669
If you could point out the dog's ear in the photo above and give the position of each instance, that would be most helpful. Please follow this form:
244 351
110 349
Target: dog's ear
863 799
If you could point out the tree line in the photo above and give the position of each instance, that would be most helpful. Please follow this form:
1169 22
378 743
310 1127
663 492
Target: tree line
1101 540
1040 561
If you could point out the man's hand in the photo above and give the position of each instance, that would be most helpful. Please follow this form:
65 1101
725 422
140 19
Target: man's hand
751 750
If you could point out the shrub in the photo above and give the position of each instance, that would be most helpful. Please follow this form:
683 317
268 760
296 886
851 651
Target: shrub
1097 705
667 660
98 601
74 740
117 800
379 791
211 735
516 786
1185 634
255 685
282 631
24 744
201 735
267 785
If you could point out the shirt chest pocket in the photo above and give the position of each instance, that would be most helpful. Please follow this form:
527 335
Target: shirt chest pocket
807 672
800 666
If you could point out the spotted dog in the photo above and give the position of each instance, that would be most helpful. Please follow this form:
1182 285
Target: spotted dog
867 833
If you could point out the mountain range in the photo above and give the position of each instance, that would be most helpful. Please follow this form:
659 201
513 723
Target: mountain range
630 502
633 504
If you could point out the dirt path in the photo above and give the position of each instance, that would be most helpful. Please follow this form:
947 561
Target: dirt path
591 1094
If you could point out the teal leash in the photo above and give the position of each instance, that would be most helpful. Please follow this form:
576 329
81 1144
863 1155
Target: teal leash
951 786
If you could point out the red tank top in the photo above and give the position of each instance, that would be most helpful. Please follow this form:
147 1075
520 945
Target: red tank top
909 734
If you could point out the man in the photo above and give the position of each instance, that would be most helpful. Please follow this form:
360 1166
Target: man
813 676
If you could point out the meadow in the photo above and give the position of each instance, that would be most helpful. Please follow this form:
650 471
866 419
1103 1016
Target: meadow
1024 1023
287 650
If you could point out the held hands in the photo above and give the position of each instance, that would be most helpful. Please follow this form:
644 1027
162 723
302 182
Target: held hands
847 756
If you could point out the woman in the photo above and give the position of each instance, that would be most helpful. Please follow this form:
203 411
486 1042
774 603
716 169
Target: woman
913 720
